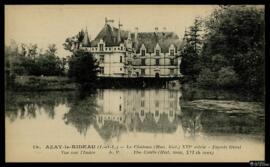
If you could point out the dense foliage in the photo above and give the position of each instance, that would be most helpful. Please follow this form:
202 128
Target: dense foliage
190 65
26 60
83 69
232 53
73 43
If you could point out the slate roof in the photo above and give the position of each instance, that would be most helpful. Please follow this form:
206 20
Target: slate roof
149 39
109 35
86 40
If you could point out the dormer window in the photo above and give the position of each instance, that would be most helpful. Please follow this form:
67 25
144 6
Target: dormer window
143 52
143 62
157 52
172 52
157 62
172 61
101 47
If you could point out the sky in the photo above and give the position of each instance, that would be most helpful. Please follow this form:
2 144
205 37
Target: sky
52 24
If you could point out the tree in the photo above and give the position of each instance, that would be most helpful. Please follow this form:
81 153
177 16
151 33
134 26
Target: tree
32 50
190 52
49 63
207 78
236 34
83 69
51 50
73 43
227 77
28 61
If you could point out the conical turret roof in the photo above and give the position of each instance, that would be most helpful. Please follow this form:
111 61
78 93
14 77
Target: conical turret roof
86 40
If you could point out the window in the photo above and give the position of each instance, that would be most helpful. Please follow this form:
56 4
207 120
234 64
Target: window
120 69
101 59
120 59
172 52
143 52
157 103
142 112
101 70
157 62
156 113
101 47
172 61
143 62
171 104
157 52
171 71
122 48
142 71
120 107
142 103
171 113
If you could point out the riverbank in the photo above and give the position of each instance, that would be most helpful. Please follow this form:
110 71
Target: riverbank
43 83
60 83
191 91
227 106
225 116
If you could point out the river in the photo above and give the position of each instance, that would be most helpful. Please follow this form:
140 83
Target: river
127 116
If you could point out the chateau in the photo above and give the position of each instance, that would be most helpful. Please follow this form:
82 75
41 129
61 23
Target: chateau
128 54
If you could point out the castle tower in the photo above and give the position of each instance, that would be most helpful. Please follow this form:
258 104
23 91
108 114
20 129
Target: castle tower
86 40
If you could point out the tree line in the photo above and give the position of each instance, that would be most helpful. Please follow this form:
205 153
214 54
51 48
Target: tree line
30 60
226 50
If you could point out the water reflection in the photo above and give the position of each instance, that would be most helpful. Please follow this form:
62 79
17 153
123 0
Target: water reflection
115 113
124 111
81 113
28 104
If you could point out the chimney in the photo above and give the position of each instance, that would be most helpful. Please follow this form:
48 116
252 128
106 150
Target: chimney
164 29
156 29
136 33
109 21
129 35
119 31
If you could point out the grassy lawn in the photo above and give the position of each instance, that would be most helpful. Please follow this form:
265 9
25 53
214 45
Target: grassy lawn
44 83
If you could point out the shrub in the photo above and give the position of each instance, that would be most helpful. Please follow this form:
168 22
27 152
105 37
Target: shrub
207 78
227 77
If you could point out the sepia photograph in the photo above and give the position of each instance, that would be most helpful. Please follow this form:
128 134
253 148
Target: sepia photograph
134 83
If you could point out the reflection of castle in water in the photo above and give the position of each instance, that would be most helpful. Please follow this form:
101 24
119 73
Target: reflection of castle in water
112 112
139 110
